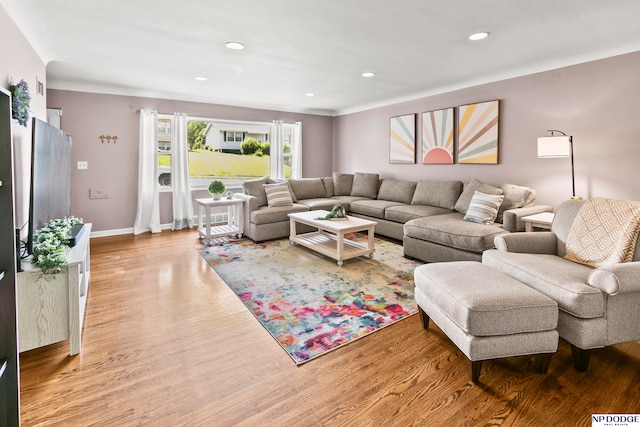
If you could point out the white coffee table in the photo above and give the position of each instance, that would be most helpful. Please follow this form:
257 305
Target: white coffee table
329 240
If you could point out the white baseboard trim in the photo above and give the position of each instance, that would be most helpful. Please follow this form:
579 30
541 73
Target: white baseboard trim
216 218
116 232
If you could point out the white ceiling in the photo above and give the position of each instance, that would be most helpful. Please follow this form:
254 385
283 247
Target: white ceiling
415 47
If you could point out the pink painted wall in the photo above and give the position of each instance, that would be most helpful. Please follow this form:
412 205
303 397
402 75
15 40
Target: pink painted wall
20 61
115 166
596 102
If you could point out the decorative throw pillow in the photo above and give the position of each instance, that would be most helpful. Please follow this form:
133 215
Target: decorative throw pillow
278 194
365 185
483 208
515 196
469 190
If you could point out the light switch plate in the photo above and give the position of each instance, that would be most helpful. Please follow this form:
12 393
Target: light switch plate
99 193
83 165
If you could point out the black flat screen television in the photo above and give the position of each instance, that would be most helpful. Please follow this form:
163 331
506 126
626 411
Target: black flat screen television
50 196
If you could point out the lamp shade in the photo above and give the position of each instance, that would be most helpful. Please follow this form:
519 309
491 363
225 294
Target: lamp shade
554 146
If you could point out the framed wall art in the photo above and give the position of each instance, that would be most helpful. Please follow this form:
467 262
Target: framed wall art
402 139
438 136
478 133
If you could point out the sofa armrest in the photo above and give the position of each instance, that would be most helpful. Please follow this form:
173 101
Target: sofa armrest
250 204
512 217
543 242
617 278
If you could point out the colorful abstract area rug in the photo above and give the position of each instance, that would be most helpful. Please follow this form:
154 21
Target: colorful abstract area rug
308 303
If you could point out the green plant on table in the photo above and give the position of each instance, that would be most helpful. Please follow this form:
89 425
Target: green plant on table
338 211
216 187
51 244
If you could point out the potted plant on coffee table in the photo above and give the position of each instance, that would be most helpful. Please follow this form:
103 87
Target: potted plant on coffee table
216 188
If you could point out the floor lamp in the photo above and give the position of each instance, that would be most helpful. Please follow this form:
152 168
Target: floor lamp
558 146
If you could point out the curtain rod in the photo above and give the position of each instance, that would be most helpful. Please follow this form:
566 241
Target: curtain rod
209 119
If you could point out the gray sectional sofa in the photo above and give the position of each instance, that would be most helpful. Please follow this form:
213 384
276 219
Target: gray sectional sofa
428 216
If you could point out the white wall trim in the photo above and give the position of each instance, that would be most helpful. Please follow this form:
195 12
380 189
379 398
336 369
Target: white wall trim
215 217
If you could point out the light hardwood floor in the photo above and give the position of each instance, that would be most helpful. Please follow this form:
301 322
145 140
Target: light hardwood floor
166 343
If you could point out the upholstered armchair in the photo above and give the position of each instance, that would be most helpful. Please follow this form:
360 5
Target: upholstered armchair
598 306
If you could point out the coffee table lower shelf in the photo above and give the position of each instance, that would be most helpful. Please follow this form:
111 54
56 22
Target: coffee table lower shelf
328 244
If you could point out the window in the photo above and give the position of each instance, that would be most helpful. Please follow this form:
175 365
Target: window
228 150
164 151
231 136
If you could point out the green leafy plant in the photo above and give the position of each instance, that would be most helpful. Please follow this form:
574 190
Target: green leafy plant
20 102
338 211
216 187
51 244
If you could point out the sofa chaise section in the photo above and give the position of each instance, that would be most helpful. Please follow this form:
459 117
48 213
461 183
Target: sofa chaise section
457 235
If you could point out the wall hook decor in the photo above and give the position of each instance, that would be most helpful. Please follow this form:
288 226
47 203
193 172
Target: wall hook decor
109 138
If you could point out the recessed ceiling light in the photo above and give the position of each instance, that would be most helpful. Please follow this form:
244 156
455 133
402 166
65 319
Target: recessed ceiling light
479 36
234 45
201 78
310 94
368 74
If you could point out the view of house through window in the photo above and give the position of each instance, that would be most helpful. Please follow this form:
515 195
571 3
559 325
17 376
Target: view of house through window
231 151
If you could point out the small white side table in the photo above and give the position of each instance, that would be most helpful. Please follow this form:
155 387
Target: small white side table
235 220
540 220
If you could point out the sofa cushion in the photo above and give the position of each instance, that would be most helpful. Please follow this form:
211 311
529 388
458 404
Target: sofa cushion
323 203
255 188
365 185
515 196
469 190
346 201
483 208
374 208
561 280
278 194
396 190
308 188
327 181
453 231
437 193
342 183
268 215
404 213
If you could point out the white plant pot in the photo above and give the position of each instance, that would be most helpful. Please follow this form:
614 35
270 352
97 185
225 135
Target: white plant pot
216 196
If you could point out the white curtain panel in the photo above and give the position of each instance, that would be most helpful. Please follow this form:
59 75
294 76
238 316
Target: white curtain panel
296 151
148 210
182 204
276 146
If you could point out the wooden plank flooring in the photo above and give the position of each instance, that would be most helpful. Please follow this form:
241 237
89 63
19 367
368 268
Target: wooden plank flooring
166 343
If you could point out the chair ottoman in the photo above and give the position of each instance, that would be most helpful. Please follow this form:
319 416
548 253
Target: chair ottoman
487 314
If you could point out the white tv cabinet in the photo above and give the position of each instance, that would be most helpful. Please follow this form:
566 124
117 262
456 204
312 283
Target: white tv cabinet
51 307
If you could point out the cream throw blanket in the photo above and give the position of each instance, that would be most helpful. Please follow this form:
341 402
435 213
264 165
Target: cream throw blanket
604 232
